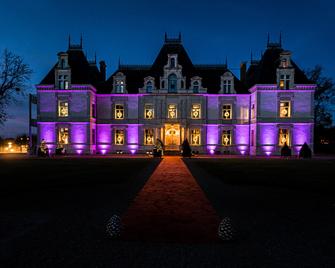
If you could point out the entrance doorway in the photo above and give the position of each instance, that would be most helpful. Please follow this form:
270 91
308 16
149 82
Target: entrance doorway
172 136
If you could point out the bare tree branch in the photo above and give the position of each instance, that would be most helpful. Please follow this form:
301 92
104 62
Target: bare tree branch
14 79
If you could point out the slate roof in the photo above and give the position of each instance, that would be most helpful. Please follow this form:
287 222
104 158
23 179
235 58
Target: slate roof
261 72
82 71
265 71
210 74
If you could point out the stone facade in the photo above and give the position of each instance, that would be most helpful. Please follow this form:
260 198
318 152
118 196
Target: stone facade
173 100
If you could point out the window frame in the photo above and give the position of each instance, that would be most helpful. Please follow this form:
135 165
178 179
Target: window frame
59 108
195 132
116 110
224 110
193 110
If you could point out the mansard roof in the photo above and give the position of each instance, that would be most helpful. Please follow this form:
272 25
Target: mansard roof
82 71
210 74
264 71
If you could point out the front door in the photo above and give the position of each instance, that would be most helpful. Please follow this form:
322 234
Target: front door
172 137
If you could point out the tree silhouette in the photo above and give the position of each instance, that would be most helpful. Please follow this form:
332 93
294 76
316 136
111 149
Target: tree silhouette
14 77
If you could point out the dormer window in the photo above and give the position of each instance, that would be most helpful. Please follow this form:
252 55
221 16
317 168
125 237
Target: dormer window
63 82
172 61
227 83
119 83
195 87
149 84
149 87
285 71
119 86
172 83
227 86
284 82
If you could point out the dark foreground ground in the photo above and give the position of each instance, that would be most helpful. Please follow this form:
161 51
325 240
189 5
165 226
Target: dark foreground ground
54 211
283 210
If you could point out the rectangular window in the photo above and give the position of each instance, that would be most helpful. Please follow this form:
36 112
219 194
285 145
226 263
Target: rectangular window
172 111
119 137
284 137
63 108
285 109
284 82
227 86
148 111
119 86
196 111
66 84
195 136
119 111
227 111
149 137
63 135
226 137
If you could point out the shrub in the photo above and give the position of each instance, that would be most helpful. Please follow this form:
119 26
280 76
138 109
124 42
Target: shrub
305 151
286 151
187 152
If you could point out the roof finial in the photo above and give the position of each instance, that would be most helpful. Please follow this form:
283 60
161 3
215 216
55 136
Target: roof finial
95 57
119 64
179 36
81 41
165 37
251 57
69 41
280 39
226 62
268 40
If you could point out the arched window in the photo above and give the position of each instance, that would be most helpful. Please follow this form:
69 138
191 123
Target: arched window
172 83
149 87
173 62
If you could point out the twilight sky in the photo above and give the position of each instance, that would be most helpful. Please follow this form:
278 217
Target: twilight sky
134 30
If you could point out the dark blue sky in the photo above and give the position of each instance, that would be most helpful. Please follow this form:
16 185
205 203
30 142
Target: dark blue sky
134 31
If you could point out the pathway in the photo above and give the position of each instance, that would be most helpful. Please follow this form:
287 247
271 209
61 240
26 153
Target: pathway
171 207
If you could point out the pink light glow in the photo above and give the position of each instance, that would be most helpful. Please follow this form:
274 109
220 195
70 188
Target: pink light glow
79 151
212 137
268 153
103 151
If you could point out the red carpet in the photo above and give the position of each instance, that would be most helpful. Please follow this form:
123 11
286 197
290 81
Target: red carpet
171 207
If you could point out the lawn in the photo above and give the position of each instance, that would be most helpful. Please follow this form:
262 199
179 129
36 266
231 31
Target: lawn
283 210
52 209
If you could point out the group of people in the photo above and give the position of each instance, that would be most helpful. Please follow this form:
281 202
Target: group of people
43 149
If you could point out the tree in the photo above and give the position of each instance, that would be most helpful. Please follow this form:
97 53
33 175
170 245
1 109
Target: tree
323 96
14 78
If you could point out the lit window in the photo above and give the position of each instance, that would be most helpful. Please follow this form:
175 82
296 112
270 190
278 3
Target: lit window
226 137
63 135
284 137
227 86
148 111
119 86
172 111
196 111
63 109
285 109
119 111
149 137
63 82
119 137
226 111
284 82
195 136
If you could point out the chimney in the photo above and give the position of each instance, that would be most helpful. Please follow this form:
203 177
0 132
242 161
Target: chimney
243 71
103 70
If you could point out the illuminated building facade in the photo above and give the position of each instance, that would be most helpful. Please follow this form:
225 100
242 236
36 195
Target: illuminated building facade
173 99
